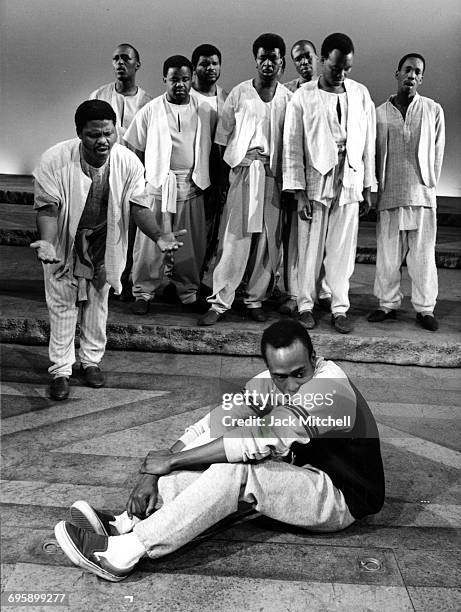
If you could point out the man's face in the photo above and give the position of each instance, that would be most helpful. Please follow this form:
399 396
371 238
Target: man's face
336 67
208 69
268 63
178 82
125 63
98 137
410 76
289 367
305 61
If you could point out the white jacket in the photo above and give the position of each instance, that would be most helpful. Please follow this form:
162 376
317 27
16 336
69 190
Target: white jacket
60 174
149 132
309 144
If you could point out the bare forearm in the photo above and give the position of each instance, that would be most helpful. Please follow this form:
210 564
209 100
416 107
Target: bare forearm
161 463
213 452
145 220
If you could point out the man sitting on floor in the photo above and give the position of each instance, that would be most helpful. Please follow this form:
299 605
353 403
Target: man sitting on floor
300 444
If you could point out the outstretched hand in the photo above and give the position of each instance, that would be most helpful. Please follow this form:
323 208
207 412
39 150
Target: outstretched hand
169 242
45 251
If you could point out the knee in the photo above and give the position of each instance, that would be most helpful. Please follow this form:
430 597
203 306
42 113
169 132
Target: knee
229 470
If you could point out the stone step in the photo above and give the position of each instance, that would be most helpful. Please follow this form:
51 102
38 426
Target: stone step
17 228
24 320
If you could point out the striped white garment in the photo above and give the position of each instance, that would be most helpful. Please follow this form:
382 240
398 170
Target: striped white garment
61 299
418 245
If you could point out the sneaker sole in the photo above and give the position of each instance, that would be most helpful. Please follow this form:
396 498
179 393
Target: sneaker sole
75 556
82 515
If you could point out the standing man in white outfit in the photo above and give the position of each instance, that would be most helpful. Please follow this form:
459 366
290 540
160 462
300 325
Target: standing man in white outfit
84 189
409 152
251 129
125 97
304 56
206 60
173 132
329 158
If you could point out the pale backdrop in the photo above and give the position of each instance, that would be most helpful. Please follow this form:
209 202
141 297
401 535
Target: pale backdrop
54 52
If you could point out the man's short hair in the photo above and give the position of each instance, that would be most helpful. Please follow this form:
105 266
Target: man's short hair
204 50
406 56
301 43
93 110
284 333
339 41
135 51
269 41
177 61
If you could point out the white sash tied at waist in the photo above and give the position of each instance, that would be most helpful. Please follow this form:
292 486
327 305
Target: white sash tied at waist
169 193
258 191
177 186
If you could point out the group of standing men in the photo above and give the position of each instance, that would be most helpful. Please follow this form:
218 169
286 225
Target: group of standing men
302 165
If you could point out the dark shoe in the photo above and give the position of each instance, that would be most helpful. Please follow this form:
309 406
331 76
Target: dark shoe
427 321
342 324
209 318
199 306
126 296
82 548
379 315
59 388
82 515
93 376
140 307
257 314
325 304
306 318
289 307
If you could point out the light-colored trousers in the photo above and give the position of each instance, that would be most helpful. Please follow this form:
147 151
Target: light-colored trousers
326 255
240 250
290 253
418 246
194 501
61 299
188 260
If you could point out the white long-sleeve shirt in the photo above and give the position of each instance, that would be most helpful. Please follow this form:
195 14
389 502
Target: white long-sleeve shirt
149 132
61 176
310 151
409 153
125 107
262 422
238 124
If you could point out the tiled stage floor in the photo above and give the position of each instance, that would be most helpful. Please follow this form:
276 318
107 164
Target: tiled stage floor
90 447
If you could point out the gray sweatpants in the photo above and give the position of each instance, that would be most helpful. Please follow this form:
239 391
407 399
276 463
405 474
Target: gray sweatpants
194 501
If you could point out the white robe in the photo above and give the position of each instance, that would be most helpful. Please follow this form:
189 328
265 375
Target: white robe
61 176
310 149
125 107
149 132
